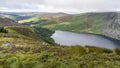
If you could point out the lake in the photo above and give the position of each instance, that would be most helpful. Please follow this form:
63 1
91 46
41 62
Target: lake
67 38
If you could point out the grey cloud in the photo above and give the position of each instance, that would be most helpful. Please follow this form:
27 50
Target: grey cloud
69 6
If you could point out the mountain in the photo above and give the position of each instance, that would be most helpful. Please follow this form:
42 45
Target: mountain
106 23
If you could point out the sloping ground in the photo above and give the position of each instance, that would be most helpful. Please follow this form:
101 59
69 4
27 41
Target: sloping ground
20 36
26 31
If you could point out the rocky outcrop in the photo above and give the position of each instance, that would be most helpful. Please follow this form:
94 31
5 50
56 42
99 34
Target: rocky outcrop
113 28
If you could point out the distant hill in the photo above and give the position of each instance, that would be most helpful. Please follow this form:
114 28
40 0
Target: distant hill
7 22
16 16
98 23
44 16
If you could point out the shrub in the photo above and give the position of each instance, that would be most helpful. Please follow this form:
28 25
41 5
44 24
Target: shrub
3 30
117 51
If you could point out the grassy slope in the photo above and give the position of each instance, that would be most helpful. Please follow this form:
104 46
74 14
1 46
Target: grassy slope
20 36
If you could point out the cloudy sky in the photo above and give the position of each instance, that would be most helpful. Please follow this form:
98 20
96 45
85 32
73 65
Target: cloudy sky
67 6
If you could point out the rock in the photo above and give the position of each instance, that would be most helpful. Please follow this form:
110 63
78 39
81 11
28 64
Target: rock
113 28
44 43
9 45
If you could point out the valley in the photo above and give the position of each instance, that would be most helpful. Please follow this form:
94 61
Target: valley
33 36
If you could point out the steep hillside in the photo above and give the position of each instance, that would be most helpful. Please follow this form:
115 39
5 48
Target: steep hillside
7 22
44 34
113 28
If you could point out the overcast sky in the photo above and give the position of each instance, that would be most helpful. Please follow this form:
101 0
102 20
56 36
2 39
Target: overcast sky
67 6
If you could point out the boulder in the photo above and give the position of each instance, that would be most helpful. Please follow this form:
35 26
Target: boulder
9 45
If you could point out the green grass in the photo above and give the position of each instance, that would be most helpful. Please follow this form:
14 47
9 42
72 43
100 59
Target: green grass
26 31
20 36
58 57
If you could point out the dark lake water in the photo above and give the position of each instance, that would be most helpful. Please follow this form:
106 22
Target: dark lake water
71 39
